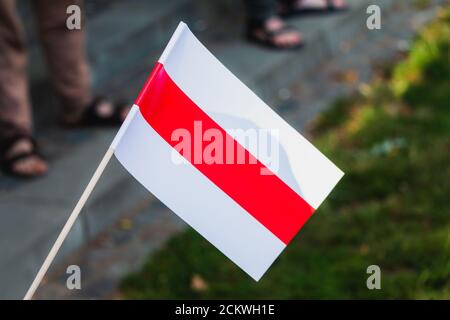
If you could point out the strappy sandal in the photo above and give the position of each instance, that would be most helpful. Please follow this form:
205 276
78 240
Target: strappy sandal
268 38
290 9
91 116
7 162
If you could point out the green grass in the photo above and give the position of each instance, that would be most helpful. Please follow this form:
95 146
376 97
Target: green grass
391 208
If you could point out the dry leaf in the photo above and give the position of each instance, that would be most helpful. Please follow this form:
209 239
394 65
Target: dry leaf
125 224
348 77
198 283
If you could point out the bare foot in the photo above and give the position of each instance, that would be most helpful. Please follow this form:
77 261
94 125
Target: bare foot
319 4
315 5
104 109
285 39
31 166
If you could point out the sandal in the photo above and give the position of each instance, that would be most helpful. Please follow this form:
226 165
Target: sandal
7 162
91 116
290 9
268 38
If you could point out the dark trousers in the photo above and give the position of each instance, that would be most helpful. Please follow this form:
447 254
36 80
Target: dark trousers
259 11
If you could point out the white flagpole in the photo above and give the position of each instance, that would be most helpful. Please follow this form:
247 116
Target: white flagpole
80 204
66 229
98 172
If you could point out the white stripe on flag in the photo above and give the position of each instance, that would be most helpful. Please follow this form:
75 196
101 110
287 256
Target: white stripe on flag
230 103
250 222
198 201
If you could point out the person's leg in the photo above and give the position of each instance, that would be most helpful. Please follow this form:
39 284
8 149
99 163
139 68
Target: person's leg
15 111
14 100
266 27
65 53
259 11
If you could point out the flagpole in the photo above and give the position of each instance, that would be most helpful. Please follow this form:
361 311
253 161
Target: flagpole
80 204
66 229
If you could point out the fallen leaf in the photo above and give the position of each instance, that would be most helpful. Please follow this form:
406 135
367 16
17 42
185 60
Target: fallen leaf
348 77
198 283
125 224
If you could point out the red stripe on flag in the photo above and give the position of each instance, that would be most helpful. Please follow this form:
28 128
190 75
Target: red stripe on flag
266 197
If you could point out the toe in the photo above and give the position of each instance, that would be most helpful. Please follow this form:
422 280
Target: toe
32 166
340 4
40 167
289 39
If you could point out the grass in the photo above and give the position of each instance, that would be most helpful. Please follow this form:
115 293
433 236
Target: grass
391 209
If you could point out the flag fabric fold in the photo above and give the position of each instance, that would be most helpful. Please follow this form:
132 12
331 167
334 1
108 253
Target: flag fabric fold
188 140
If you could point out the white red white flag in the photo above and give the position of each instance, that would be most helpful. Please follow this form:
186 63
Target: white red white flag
220 158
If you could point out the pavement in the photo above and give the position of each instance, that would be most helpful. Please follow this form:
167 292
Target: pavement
122 223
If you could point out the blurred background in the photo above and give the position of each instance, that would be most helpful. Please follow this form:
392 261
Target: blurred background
376 102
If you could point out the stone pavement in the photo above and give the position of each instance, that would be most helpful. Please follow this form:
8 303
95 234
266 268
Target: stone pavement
122 223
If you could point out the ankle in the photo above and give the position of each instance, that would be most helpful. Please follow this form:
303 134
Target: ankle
273 23
22 145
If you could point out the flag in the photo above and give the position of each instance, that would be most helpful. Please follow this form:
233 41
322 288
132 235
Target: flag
220 158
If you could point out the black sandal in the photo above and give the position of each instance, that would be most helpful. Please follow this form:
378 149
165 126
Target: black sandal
91 117
268 39
290 9
7 163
